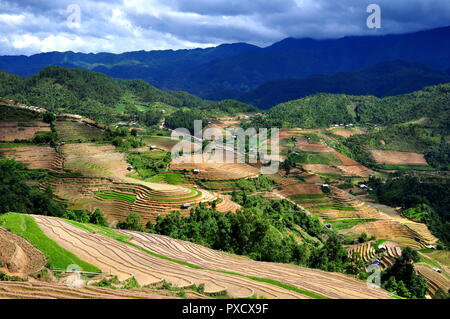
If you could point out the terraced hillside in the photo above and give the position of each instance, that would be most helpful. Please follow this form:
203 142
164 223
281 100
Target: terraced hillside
42 290
367 252
184 264
117 199
34 156
125 261
19 257
331 285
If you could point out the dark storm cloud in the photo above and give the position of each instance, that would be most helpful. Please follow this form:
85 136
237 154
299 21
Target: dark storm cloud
30 26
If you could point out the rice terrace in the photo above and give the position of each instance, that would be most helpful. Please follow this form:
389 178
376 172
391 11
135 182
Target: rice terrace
306 169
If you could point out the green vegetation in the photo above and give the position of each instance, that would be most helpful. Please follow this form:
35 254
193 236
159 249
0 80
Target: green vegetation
167 177
150 163
57 257
17 196
401 277
341 224
124 239
265 230
429 201
303 157
398 167
5 277
131 198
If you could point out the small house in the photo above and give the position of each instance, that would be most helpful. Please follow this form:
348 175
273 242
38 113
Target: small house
325 185
185 206
130 168
153 147
196 171
436 269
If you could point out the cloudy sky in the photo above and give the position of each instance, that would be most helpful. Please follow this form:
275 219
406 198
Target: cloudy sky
33 26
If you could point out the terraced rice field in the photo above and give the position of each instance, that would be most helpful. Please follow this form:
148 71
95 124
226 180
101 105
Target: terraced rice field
164 143
214 167
95 160
41 290
20 257
75 130
117 200
10 131
367 252
125 261
35 157
395 228
331 285
434 279
398 158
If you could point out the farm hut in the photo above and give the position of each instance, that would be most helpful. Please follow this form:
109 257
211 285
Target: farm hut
382 247
130 168
153 147
325 185
185 206
196 171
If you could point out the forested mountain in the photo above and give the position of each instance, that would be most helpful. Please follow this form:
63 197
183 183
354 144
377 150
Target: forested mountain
384 79
99 96
323 110
230 70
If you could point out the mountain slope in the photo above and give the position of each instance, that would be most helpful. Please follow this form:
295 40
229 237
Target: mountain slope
99 96
229 70
323 110
383 79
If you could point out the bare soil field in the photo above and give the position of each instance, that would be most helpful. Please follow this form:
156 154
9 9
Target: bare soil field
125 261
300 189
214 167
164 143
35 157
20 257
10 131
322 168
305 145
95 160
400 158
41 290
74 130
348 132
331 285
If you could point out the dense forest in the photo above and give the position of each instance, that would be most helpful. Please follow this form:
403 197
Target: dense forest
101 97
323 110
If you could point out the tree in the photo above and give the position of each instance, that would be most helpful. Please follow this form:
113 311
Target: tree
408 283
48 117
98 218
132 222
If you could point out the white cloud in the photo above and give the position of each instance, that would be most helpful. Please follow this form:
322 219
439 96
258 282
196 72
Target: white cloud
30 26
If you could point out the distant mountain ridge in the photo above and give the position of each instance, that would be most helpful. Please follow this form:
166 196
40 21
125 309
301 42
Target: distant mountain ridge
233 69
384 79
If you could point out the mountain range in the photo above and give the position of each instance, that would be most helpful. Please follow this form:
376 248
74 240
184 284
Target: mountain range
384 79
230 70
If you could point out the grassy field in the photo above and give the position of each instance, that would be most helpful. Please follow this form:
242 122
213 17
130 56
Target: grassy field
57 257
165 143
117 195
339 225
169 178
316 158
69 131
405 167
